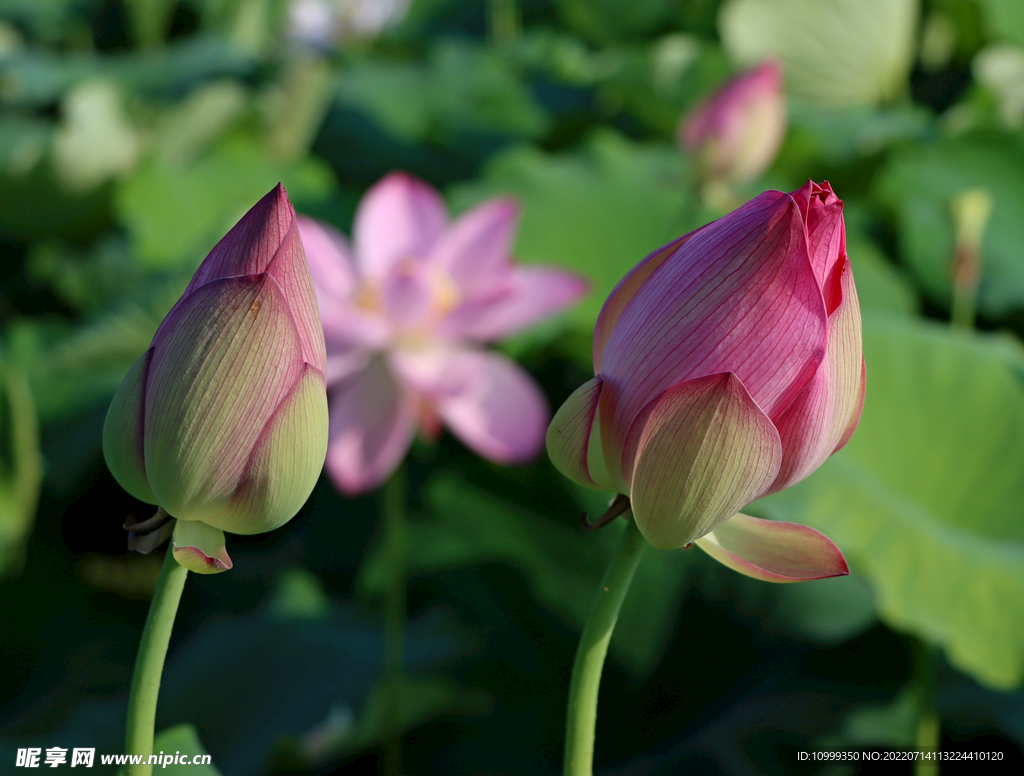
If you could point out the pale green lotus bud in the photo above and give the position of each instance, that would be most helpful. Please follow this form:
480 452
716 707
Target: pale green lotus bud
223 421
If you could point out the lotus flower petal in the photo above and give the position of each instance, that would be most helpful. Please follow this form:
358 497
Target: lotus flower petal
739 296
285 462
857 410
223 360
372 422
122 432
624 292
813 426
476 249
484 398
200 547
703 449
774 551
251 244
568 438
330 263
399 217
528 295
826 234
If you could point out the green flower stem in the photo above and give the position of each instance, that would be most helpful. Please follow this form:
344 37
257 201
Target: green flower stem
581 718
149 664
929 726
395 551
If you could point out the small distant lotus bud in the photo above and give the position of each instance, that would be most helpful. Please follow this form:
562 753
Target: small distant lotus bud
736 133
728 366
223 421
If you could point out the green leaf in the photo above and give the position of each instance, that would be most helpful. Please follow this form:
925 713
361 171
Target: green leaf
840 52
880 285
926 500
598 211
920 181
176 213
1003 20
562 565
184 739
460 87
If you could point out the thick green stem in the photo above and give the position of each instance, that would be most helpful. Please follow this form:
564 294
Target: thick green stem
581 717
394 550
149 664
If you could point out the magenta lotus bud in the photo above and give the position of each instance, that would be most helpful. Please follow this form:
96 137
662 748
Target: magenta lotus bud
728 366
223 421
736 133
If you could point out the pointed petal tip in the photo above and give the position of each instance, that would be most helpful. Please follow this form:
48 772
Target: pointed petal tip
199 562
774 551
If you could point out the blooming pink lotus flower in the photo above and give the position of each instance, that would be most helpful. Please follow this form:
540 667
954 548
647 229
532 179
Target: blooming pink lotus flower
736 133
406 311
728 366
223 421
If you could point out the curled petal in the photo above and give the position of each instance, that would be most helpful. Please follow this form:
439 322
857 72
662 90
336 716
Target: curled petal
199 547
123 432
528 295
568 437
738 296
372 422
813 426
774 551
399 217
699 452
484 398
826 233
857 410
231 339
285 462
476 249
251 244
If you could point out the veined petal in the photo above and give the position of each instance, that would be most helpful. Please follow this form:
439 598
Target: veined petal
223 360
529 295
739 296
812 426
703 449
476 249
826 235
400 216
774 551
372 422
624 292
285 463
251 244
485 399
291 271
857 410
123 432
200 547
568 437
330 262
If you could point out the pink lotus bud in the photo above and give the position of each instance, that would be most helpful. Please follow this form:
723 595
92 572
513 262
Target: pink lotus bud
735 134
223 421
728 366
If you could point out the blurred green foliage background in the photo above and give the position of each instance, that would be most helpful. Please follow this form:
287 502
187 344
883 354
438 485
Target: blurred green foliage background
134 133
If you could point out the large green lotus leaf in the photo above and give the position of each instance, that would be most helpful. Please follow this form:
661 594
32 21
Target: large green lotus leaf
833 52
562 565
598 211
183 738
927 500
920 181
